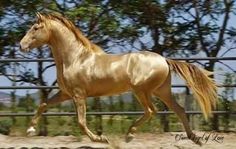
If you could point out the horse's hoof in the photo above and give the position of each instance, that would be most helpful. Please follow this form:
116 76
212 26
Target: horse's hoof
195 139
199 143
103 139
31 131
129 137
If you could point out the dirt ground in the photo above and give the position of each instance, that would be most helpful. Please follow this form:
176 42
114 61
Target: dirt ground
172 140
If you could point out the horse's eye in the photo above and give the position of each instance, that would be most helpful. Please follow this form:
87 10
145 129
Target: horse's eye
36 28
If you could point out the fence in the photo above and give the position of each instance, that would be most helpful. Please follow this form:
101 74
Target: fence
109 113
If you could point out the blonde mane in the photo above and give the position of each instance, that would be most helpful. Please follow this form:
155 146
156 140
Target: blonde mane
78 34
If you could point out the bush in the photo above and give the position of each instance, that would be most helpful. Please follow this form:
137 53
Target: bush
5 126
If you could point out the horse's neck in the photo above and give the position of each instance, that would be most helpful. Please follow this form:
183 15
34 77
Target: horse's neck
65 47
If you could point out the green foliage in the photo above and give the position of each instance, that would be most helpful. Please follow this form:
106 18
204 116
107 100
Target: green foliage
5 126
27 102
2 106
227 99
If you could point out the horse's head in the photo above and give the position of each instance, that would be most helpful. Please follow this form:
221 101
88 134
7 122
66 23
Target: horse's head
37 35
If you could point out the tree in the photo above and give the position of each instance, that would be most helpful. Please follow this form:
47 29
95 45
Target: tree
27 102
227 98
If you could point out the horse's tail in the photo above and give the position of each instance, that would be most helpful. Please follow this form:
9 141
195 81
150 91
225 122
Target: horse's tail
203 87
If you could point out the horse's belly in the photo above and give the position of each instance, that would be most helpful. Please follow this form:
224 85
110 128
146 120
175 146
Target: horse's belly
108 88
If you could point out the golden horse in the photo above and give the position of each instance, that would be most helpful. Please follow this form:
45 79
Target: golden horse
85 70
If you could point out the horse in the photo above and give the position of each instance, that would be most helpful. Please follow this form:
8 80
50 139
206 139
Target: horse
85 70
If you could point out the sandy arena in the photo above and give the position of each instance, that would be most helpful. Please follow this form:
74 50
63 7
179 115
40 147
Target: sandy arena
172 140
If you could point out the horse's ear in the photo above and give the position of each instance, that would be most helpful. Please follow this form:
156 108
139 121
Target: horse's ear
40 17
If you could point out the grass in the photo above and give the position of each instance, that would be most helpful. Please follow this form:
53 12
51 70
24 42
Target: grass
65 125
69 126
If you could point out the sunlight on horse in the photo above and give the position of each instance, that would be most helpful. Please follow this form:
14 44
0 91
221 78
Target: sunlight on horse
85 70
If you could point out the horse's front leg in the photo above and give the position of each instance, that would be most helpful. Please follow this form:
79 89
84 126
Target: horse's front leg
57 98
81 113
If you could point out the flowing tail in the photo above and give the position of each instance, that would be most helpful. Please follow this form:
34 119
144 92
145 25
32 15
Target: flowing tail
203 87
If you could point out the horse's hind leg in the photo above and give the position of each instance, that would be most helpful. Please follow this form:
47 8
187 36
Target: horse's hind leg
57 98
149 109
164 92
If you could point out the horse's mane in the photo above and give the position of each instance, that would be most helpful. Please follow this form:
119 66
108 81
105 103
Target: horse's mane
78 34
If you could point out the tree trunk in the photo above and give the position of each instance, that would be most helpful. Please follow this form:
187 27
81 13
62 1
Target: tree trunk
111 109
215 119
13 105
98 122
13 93
121 103
188 103
164 120
43 96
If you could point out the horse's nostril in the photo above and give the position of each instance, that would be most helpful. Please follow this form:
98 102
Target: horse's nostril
20 45
23 46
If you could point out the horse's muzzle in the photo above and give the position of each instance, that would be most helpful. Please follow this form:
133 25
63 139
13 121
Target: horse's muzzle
24 47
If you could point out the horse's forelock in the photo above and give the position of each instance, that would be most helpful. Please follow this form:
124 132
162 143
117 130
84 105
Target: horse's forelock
40 17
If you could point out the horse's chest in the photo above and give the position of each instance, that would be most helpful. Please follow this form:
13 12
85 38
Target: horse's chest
72 77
